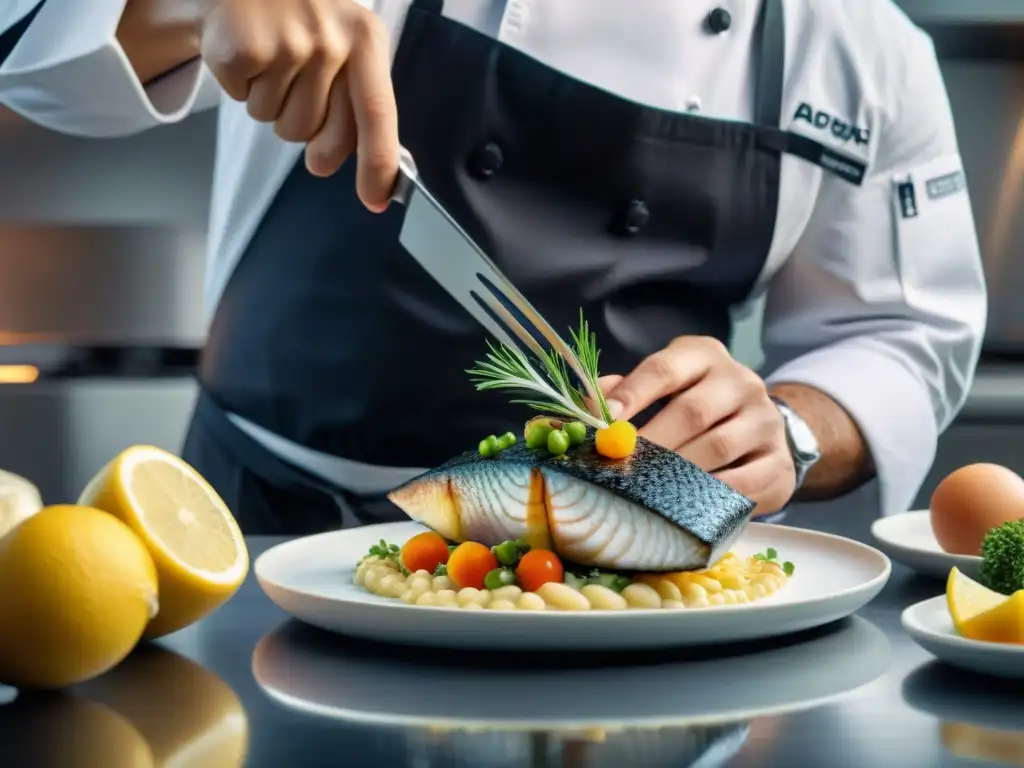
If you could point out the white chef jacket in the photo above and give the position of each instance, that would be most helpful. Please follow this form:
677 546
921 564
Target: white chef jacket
874 296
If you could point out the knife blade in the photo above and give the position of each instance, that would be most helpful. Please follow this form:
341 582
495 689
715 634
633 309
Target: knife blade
447 252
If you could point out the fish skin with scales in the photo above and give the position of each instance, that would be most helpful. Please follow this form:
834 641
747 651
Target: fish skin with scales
653 511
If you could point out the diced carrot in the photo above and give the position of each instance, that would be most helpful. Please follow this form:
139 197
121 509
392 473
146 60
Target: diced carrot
424 552
469 565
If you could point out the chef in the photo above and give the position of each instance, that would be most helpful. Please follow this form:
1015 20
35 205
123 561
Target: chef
658 165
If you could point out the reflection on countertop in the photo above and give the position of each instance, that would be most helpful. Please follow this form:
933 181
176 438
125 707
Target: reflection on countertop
978 718
155 710
682 708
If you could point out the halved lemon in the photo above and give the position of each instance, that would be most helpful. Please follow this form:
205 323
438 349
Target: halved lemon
966 598
196 544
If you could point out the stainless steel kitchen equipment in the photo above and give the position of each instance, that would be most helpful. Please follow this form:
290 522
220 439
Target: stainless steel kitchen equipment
100 328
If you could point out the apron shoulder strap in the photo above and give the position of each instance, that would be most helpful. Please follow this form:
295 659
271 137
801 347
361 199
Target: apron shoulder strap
771 64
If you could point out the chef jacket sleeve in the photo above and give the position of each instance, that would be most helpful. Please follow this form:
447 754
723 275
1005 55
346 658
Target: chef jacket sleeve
62 67
882 305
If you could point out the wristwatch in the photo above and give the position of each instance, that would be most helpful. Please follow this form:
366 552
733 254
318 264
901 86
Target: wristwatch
803 445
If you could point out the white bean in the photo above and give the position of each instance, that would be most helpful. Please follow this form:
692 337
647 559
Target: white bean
392 585
716 598
604 599
501 605
562 597
471 607
642 596
695 594
672 605
421 583
424 574
445 597
373 578
442 582
510 593
530 601
668 591
427 598
469 595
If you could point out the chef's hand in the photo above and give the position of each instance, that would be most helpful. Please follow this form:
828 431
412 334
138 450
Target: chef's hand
720 417
320 71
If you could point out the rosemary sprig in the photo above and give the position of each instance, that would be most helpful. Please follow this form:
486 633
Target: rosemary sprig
547 376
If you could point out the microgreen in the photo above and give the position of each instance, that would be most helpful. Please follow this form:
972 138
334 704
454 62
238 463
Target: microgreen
771 555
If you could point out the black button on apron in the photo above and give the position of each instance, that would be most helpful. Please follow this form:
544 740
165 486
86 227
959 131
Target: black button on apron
487 160
350 348
635 217
719 20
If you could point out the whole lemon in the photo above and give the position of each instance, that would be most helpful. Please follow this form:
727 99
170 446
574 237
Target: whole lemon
77 588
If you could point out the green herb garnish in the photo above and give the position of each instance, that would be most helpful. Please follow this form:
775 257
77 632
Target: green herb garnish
772 556
441 570
386 551
547 376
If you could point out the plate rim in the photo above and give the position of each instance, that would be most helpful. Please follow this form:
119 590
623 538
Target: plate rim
876 582
913 626
882 522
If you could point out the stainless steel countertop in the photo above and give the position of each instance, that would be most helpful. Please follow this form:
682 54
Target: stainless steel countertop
900 708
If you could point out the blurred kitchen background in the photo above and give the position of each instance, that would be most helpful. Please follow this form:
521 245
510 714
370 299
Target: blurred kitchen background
102 250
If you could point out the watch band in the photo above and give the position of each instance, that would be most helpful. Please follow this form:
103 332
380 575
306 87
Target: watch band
803 446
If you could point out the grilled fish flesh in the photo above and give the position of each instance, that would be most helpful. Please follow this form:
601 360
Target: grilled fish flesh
654 511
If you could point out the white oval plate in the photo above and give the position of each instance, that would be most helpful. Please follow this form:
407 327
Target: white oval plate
369 684
311 579
929 623
908 539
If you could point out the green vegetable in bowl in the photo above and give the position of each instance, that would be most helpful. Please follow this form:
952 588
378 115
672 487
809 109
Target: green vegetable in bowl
1002 558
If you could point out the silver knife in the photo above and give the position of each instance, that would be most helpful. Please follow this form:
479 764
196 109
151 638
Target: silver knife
449 254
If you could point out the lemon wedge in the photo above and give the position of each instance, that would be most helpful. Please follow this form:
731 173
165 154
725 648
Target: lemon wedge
1002 624
966 598
198 549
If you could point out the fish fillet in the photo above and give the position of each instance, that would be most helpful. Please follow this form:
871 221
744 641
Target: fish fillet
654 511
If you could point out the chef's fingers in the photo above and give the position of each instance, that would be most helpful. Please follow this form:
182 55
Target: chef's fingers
373 102
336 140
268 91
693 412
305 109
722 445
766 478
663 373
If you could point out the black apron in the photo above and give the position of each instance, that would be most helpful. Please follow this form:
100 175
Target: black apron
329 334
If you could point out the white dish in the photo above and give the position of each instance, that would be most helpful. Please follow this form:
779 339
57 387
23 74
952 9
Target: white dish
355 681
908 539
930 625
311 579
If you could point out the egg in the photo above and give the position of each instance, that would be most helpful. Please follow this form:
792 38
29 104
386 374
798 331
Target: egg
972 501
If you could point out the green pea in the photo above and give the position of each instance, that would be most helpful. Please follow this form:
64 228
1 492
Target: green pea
558 442
489 447
498 578
506 441
523 545
507 553
574 581
537 434
577 432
